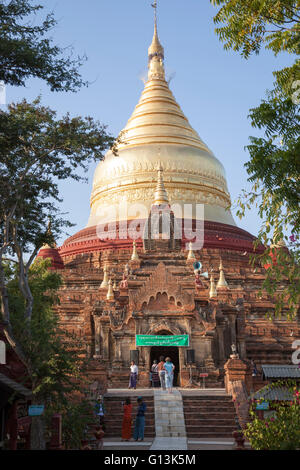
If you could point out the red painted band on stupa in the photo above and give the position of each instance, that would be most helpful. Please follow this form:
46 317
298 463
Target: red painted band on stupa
216 235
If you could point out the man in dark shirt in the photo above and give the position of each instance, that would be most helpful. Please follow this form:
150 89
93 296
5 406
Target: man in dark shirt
140 420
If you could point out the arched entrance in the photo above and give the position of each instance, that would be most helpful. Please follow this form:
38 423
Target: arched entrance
166 351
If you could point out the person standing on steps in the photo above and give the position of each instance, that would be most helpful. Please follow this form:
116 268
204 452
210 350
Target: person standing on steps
100 411
127 420
162 372
140 420
155 376
133 375
169 368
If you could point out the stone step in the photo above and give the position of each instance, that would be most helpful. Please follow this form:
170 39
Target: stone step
223 404
119 411
114 415
207 410
208 403
115 434
113 401
208 413
209 416
210 427
211 404
190 417
208 399
118 424
110 430
205 434
209 422
118 432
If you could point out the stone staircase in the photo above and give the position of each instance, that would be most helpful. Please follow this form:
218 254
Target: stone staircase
169 421
169 417
209 416
114 415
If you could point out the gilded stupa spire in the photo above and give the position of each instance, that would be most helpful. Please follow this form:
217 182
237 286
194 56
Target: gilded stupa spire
52 244
160 195
156 53
213 291
134 256
222 283
104 283
191 254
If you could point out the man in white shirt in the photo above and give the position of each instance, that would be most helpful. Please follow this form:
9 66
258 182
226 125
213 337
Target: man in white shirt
133 375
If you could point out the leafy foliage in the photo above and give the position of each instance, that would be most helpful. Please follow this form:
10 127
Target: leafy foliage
281 430
249 24
274 169
274 165
37 150
26 52
76 421
55 358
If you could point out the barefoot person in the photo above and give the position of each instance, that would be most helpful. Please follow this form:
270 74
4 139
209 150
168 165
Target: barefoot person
100 411
162 372
133 375
155 376
140 420
127 420
169 368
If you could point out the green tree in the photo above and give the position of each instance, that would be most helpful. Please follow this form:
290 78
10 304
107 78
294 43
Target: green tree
55 359
274 168
26 51
77 418
248 25
37 150
281 430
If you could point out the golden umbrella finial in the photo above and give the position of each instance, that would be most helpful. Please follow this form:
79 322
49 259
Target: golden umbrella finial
156 52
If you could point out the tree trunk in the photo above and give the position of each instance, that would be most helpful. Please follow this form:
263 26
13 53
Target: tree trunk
4 295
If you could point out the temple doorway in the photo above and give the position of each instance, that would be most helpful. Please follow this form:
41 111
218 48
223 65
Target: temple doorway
167 351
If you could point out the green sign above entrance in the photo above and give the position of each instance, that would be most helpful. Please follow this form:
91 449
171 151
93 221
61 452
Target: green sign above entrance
163 340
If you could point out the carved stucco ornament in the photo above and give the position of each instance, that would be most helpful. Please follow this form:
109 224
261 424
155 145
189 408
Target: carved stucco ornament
161 281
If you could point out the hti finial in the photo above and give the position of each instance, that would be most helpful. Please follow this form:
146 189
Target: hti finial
154 5
156 53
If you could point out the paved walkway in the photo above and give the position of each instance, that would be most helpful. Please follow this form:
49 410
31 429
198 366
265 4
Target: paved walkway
169 421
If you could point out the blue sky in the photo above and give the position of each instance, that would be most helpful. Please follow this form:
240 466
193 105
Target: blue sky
214 87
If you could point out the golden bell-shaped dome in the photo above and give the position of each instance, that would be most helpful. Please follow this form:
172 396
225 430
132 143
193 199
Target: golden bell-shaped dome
158 133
